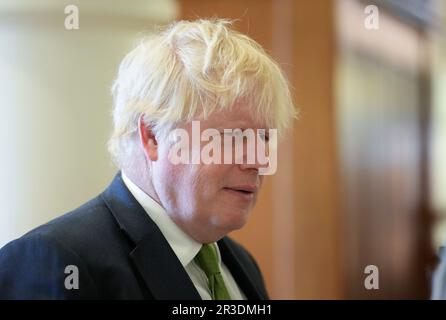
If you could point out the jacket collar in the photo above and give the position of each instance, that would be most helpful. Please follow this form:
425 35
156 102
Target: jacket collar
154 258
238 271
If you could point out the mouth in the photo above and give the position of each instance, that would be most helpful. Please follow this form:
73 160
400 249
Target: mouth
244 192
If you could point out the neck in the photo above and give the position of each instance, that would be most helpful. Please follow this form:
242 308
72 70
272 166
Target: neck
141 177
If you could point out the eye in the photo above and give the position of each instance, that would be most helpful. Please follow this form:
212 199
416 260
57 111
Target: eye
233 132
237 132
264 136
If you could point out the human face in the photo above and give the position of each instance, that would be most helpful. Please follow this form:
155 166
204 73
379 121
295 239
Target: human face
209 200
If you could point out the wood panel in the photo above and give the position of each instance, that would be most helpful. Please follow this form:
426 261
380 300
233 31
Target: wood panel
293 232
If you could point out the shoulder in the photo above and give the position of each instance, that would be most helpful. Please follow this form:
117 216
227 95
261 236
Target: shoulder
86 237
89 227
37 260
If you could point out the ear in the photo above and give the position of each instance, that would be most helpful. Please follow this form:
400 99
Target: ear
147 139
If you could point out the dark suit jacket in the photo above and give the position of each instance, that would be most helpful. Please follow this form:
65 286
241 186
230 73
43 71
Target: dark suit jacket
119 252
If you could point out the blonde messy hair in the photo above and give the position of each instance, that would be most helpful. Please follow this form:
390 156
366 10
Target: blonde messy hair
188 70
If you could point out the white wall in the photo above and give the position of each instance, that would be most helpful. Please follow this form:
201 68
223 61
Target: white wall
438 133
55 102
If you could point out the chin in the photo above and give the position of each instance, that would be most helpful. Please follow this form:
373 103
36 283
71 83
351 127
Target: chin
234 220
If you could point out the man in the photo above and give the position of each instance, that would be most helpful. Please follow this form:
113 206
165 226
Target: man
159 231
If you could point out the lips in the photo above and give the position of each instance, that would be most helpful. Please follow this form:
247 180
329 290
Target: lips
244 191
244 188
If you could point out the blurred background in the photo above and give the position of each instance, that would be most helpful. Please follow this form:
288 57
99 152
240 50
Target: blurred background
361 177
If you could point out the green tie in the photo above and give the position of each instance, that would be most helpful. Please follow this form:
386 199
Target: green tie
208 261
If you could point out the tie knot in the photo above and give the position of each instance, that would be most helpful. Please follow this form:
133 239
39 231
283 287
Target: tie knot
207 259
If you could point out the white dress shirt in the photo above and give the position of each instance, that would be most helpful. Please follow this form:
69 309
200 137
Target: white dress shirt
184 246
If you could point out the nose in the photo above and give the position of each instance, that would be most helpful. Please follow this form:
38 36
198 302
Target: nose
255 156
254 167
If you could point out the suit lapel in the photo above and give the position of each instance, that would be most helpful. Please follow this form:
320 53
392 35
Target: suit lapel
154 259
238 271
161 269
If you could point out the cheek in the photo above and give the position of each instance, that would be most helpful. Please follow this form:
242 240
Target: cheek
207 183
212 177
189 187
169 183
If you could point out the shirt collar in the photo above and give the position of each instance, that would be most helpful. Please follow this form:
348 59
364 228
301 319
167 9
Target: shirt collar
184 246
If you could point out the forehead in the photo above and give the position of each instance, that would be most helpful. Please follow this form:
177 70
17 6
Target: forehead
238 116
